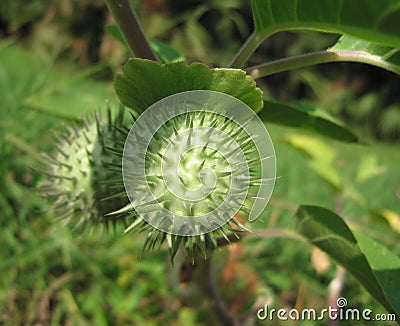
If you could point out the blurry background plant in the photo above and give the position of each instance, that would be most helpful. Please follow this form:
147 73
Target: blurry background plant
56 64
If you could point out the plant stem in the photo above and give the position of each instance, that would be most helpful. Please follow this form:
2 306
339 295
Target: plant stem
245 51
129 25
314 58
212 293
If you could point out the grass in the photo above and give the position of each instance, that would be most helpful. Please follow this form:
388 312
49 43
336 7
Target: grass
50 275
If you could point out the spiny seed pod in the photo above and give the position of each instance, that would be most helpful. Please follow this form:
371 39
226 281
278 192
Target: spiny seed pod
196 158
84 177
191 163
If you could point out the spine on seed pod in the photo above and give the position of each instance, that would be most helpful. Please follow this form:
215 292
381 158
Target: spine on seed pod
83 178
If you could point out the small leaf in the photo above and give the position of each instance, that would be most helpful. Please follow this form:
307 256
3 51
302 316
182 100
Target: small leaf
114 31
145 82
369 168
306 118
372 20
392 218
374 266
373 53
164 52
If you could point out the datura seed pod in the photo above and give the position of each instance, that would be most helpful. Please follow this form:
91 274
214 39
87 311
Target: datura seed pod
83 179
195 159
192 163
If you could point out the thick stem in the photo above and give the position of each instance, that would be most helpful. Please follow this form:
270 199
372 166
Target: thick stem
128 23
213 296
314 58
245 51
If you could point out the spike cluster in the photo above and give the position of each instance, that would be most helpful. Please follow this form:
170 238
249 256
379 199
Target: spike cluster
85 172
182 178
194 167
192 163
197 164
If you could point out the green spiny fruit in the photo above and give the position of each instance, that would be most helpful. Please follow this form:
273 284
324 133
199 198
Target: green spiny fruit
188 186
188 176
84 172
191 165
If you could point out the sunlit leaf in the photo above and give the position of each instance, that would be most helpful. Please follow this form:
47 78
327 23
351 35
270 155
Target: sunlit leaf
369 168
321 157
391 217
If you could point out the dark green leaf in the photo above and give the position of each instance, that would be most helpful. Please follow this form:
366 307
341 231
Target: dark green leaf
145 82
372 20
305 117
114 31
164 52
374 266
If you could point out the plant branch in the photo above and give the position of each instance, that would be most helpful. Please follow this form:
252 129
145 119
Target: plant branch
245 51
129 25
314 58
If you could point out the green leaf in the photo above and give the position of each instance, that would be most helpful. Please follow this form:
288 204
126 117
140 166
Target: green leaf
145 82
372 20
374 266
392 218
321 157
164 52
386 267
114 31
369 168
379 55
305 117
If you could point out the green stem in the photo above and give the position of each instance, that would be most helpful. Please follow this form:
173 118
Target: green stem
128 23
245 51
314 58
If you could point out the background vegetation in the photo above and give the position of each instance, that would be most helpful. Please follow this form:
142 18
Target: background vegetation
57 62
